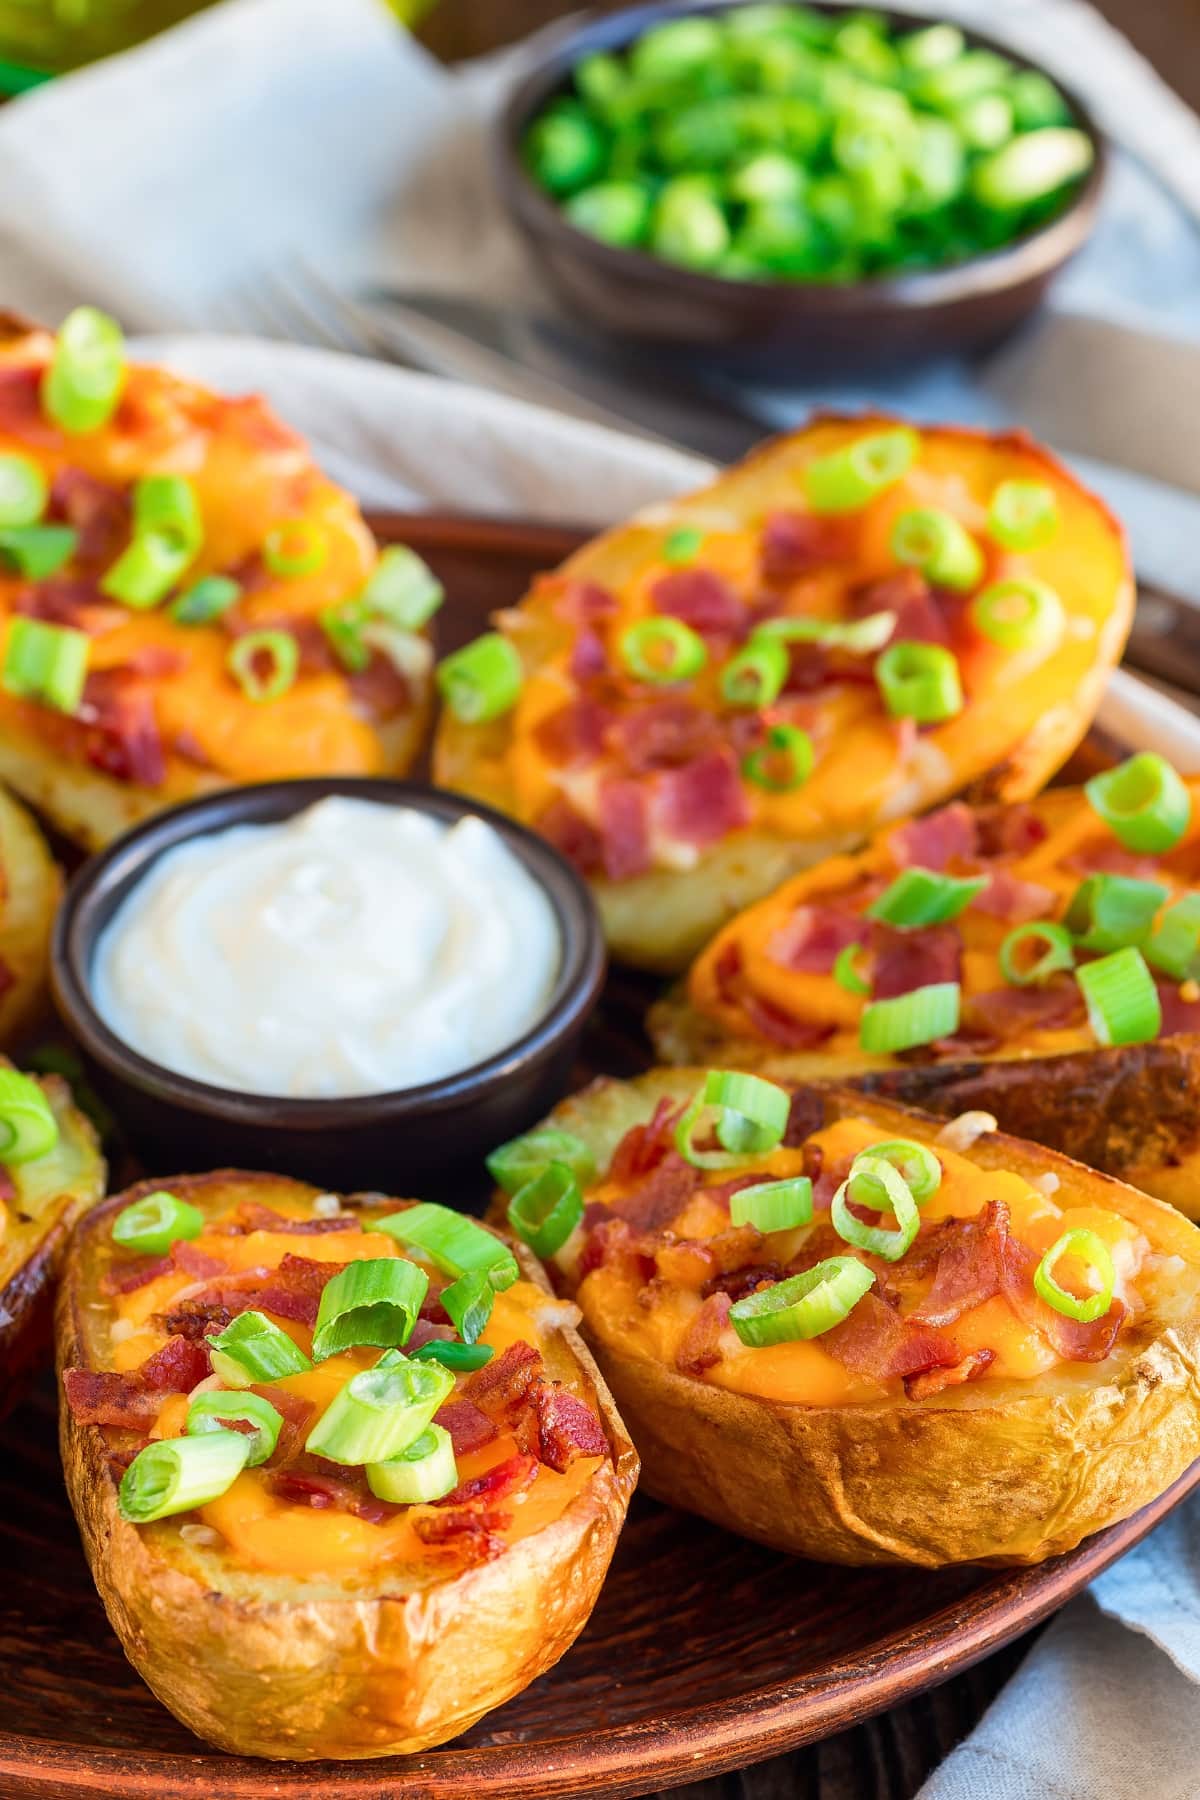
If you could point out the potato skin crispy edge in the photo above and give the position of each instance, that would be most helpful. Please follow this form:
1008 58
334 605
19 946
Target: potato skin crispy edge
1008 1477
304 1676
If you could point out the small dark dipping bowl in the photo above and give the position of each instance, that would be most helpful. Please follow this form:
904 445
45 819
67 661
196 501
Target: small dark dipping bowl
780 326
415 1140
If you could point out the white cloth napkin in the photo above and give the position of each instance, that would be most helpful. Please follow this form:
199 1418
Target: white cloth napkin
1104 1708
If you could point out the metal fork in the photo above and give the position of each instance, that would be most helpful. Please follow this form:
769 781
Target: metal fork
294 303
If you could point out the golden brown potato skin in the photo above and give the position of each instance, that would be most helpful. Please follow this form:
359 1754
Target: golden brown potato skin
35 1241
306 1668
30 886
993 1472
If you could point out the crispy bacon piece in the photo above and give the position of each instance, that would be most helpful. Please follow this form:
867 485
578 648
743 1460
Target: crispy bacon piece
1178 1014
567 1428
469 1427
1007 897
500 1482
583 602
1008 830
251 1215
133 1400
935 841
624 828
21 414
127 1277
1112 859
702 599
644 1146
701 802
737 1283
919 619
811 940
932 1381
318 1484
505 1388
1011 1011
663 734
296 1291
292 1291
381 690
120 730
770 1021
658 1197
429 1331
69 600
574 734
875 1341
297 1416
571 834
471 1533
100 513
613 1244
197 1263
588 660
968 1260
904 960
700 1347
795 543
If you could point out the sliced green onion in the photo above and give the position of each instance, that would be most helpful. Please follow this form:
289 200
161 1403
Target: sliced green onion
168 504
782 762
1020 614
468 1304
283 653
205 600
345 627
295 548
226 1412
482 680
1122 1000
875 1183
937 544
1032 953
773 1205
931 48
147 569
852 477
751 1118
151 1225
402 589
1143 802
755 676
916 1164
518 1161
28 1128
662 651
381 1411
1030 167
804 1306
846 975
175 1475
682 545
859 636
1174 944
1106 912
24 490
46 663
372 1301
37 550
460 1357
1023 515
919 681
1089 1247
82 387
923 897
909 1020
425 1471
253 1348
454 1244
546 1210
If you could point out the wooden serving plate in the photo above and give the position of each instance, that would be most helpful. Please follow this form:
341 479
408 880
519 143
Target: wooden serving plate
705 1653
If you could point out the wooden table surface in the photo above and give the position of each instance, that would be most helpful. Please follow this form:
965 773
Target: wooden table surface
887 1758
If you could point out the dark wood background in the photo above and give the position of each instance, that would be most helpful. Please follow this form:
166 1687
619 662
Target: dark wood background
888 1758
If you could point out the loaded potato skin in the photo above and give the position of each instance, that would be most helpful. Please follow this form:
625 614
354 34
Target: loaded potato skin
165 711
952 1416
296 1616
679 798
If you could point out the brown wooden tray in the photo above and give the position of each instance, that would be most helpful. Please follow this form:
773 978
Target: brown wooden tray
704 1654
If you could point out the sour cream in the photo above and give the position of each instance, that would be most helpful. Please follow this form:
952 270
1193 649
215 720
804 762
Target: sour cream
353 949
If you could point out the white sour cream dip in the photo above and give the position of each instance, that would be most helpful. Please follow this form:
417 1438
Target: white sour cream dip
353 949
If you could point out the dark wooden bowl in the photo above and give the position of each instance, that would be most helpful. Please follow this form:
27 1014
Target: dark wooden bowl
781 325
421 1136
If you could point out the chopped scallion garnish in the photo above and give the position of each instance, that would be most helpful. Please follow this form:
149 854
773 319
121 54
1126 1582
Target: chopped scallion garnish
152 1224
920 897
175 1475
228 1412
1143 802
1090 1248
1122 1000
909 1020
481 681
372 1301
381 1411
804 1306
426 1471
253 1348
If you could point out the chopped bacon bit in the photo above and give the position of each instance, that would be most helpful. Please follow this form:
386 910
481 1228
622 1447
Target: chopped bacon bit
69 600
469 1427
133 1400
127 1277
1009 830
968 1256
1009 898
574 734
644 1146
472 1534
251 1215
175 1368
584 602
700 1347
922 1387
326 1492
701 599
703 801
296 1291
796 543
21 414
919 619
664 734
381 690
806 1116
505 1388
1178 1014
877 1342
1112 859
904 960
770 1021
1011 1011
99 513
737 1283
197 1263
658 1197
813 937
500 1482
567 1428
297 1414
624 829
427 1331
292 1291
936 840
120 732
588 660
571 834
612 1244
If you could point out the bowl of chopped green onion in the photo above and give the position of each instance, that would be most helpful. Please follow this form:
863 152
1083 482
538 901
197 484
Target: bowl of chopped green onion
806 181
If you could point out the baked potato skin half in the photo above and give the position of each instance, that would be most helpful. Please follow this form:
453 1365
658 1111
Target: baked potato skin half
30 887
267 1664
161 719
1005 744
993 1472
50 1195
